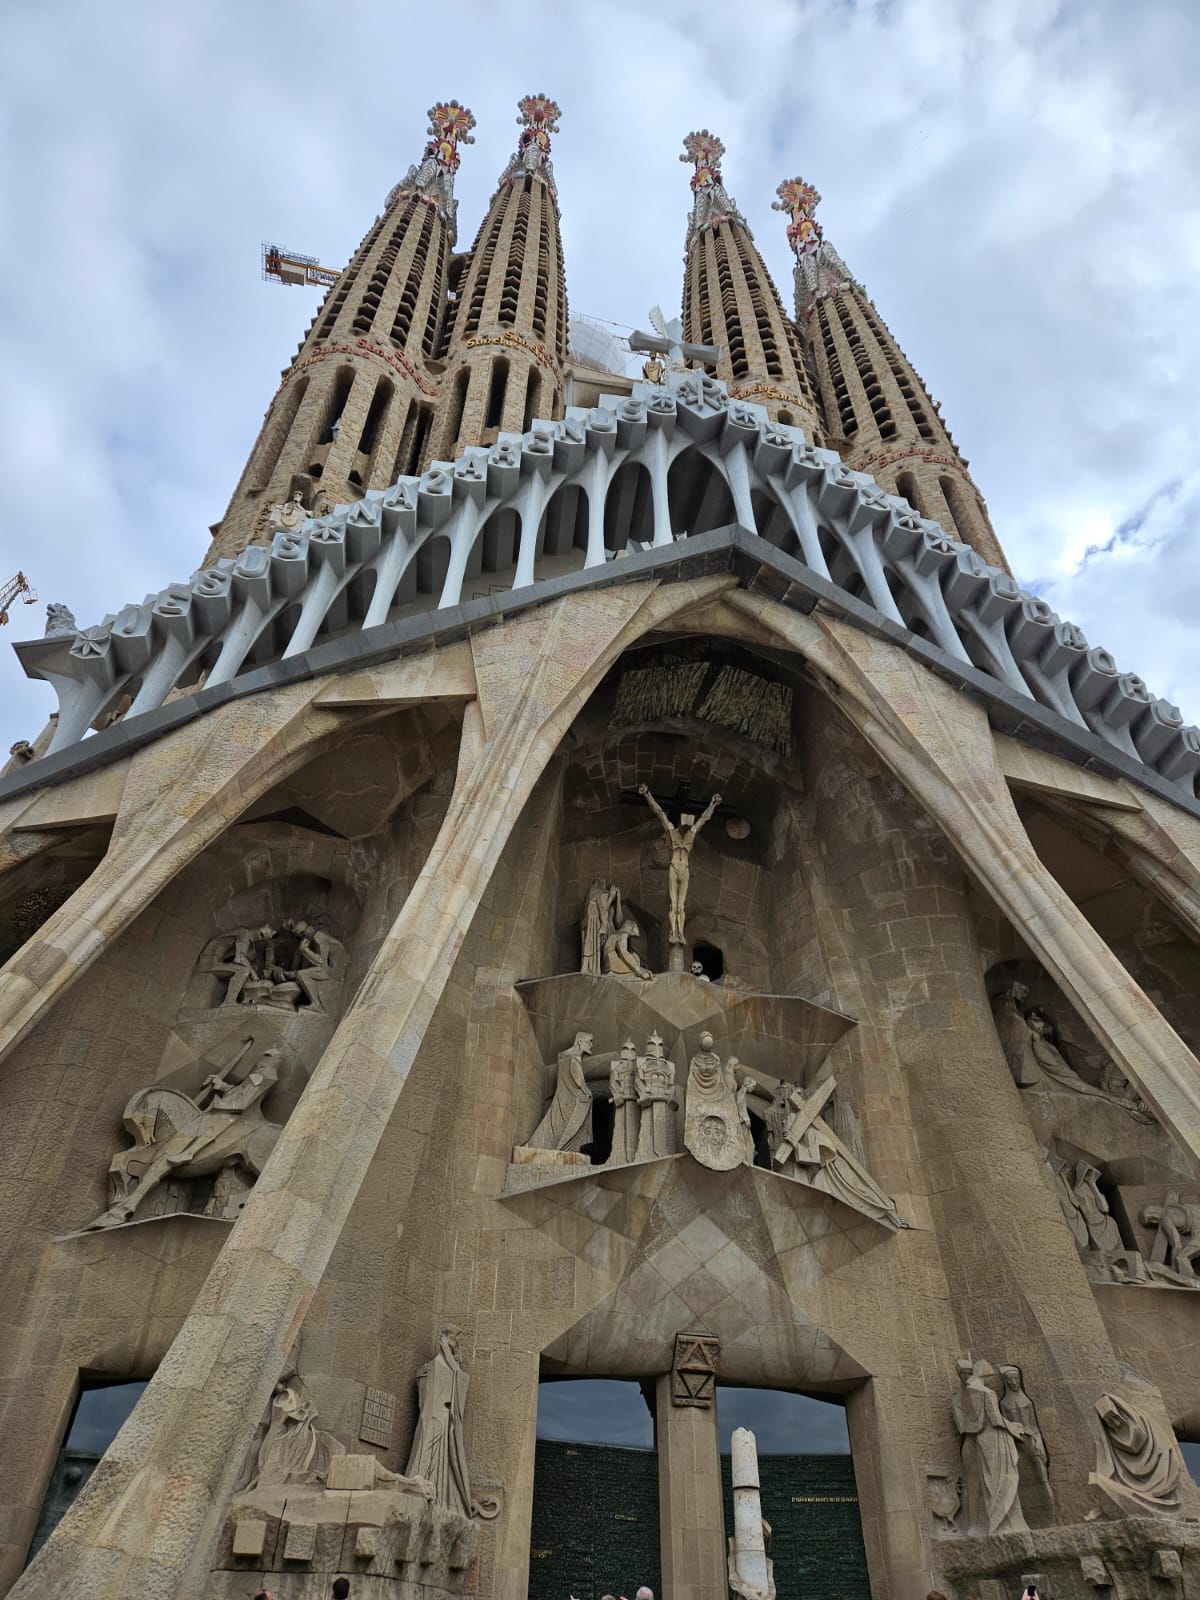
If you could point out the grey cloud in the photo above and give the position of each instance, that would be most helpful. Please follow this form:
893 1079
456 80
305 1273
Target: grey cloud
1016 185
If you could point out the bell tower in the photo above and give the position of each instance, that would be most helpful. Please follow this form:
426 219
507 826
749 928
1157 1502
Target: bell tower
878 413
729 299
355 407
507 343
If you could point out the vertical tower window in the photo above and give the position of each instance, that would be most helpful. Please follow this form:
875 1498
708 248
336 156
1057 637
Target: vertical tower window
458 405
496 392
288 405
380 402
533 390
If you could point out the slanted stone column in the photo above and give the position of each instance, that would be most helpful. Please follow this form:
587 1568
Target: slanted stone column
691 1515
749 1543
147 1520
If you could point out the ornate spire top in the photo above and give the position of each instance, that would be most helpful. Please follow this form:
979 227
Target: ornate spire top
820 271
433 180
800 199
538 120
711 203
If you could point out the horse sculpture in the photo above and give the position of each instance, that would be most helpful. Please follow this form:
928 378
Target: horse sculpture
176 1136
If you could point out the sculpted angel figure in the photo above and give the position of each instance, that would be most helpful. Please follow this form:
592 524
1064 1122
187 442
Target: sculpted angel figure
681 840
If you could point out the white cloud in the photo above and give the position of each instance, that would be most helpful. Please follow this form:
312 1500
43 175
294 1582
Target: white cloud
1018 185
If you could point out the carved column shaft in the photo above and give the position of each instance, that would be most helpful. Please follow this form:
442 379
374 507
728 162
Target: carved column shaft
690 1500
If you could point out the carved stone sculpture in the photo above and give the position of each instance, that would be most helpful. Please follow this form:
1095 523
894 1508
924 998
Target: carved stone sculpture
59 619
294 1449
808 1147
681 840
1035 1493
288 968
712 1129
439 1449
1035 1056
990 1471
1138 1465
619 959
655 1082
1103 1233
601 916
1176 1246
177 1136
750 1570
744 1090
622 1083
287 513
567 1124
1064 1188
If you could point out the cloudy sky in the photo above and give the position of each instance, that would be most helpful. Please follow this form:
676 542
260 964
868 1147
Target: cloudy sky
1017 184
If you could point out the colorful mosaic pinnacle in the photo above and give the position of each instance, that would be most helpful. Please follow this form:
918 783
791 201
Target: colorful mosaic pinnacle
450 125
704 150
539 118
799 200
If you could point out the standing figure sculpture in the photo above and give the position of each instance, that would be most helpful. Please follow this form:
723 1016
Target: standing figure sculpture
990 1472
1036 1495
654 1079
567 1124
712 1128
439 1447
601 916
622 1081
681 840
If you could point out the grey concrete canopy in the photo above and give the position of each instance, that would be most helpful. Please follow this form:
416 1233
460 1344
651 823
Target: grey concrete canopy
524 510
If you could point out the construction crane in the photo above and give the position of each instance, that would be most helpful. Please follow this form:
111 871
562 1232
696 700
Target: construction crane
285 266
15 589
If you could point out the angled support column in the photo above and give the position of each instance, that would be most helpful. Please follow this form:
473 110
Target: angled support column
147 1520
940 746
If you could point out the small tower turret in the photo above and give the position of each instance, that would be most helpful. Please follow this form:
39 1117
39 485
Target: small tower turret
729 299
354 404
876 409
508 340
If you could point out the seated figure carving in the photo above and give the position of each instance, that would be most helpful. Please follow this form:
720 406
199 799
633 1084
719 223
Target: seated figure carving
178 1136
286 968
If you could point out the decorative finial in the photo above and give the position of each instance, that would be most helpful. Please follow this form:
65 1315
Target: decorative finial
538 120
704 150
820 271
711 204
799 200
450 125
538 111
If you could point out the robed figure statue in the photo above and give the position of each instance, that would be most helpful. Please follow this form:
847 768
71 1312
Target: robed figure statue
990 1469
439 1449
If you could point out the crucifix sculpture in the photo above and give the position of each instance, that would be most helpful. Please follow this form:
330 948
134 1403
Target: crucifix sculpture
681 840
667 340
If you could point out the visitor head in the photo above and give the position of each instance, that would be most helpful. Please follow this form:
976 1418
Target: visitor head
341 1588
644 1593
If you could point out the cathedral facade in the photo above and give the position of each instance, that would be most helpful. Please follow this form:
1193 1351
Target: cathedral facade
596 877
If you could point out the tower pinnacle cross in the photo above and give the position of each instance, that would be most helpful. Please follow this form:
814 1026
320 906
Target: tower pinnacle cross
799 200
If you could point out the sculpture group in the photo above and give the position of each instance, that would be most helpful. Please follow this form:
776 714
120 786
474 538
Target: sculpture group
220 1130
1035 1054
722 1100
284 968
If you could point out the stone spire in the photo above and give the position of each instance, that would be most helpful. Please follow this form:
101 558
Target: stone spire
876 409
356 403
729 299
508 340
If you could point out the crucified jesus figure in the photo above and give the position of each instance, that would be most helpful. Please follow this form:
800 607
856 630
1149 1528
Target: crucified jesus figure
681 838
